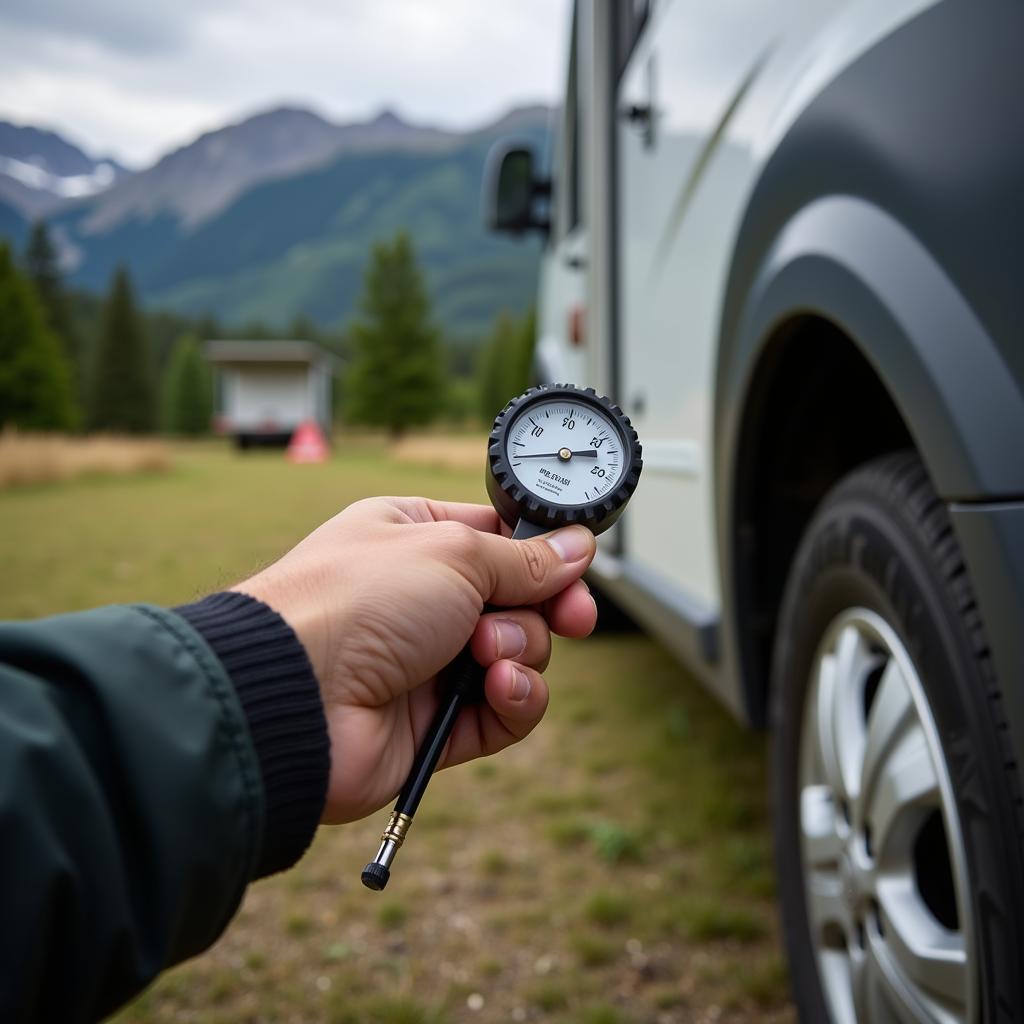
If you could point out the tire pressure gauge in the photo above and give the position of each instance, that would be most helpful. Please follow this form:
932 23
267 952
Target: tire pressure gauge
557 455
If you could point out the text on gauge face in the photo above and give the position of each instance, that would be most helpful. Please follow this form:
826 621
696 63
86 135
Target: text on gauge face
565 451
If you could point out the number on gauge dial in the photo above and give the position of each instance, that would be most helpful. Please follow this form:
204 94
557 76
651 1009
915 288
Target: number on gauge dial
565 452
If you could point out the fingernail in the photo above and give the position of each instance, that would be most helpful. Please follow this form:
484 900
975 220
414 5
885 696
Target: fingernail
571 544
520 688
509 638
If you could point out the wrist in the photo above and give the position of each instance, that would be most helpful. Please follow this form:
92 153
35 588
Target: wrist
292 600
280 699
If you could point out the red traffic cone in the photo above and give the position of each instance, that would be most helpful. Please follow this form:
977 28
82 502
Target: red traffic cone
307 444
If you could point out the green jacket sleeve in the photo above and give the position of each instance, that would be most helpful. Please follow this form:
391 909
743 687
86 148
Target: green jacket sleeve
132 806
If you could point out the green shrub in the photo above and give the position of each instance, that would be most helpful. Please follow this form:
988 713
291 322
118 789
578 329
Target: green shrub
35 379
607 909
187 393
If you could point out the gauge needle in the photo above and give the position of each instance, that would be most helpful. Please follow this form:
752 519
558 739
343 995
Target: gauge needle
591 454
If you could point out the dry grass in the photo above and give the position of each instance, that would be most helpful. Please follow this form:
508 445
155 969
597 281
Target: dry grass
47 458
613 869
440 451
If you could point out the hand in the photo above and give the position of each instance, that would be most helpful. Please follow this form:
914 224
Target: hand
386 593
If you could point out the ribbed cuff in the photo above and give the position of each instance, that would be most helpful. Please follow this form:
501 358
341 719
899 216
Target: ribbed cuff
281 698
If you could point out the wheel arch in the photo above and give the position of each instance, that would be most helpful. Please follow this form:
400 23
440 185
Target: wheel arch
883 230
886 326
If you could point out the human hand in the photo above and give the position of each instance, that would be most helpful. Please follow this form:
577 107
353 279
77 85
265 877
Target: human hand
386 593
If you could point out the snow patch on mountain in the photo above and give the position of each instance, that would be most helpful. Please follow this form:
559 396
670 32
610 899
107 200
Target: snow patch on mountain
33 174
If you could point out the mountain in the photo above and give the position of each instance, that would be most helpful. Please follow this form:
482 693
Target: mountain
198 181
40 169
13 226
300 245
275 217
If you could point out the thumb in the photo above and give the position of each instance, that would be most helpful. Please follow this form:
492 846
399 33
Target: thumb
527 571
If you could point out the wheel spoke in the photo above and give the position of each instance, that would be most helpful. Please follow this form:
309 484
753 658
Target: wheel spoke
879 885
829 914
870 989
891 713
886 996
854 660
931 958
839 720
824 715
905 788
839 980
822 845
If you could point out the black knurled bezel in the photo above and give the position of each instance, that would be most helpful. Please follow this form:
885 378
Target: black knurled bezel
514 502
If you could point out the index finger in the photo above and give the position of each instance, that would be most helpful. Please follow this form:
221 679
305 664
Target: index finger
481 517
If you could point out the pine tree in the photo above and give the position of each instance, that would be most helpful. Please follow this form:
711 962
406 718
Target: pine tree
523 366
396 380
35 379
187 393
43 271
123 398
208 328
302 328
494 362
506 362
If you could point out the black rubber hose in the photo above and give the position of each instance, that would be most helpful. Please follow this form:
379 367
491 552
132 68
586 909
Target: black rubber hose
461 683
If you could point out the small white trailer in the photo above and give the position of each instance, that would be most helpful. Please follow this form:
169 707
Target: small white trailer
265 389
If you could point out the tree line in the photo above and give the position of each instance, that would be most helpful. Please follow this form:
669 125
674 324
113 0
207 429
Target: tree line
70 361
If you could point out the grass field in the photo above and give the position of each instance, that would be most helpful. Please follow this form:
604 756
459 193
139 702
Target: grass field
613 869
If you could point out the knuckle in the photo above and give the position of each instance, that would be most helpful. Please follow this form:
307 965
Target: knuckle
458 539
534 562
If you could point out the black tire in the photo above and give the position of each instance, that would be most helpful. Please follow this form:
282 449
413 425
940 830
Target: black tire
882 541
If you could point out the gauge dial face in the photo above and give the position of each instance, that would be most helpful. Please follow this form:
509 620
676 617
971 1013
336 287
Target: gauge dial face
565 452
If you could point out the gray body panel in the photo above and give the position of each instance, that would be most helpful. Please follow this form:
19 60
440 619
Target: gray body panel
894 209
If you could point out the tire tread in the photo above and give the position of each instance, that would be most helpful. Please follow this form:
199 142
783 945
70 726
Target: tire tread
897 486
903 478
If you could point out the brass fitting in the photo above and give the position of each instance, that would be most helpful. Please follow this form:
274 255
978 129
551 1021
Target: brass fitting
397 827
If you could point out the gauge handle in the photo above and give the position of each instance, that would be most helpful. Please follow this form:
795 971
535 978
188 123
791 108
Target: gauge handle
461 682
524 530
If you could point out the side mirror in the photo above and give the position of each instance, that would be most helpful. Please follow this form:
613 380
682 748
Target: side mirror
512 191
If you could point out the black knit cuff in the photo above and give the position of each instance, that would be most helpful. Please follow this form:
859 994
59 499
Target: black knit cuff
279 694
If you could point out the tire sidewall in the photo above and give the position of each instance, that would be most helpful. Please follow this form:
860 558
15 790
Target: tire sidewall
862 550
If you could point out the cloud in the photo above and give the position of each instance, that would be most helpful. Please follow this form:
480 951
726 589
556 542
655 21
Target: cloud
139 79
120 25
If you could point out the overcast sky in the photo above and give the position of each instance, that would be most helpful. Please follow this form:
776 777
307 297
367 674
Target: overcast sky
133 78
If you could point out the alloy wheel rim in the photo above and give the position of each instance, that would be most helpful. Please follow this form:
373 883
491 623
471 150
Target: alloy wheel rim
885 877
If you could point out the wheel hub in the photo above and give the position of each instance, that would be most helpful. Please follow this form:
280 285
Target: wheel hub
857 880
873 781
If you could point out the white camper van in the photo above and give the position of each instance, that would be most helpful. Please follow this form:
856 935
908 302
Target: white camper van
266 389
786 236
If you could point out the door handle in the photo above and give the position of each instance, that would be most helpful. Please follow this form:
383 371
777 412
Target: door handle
642 115
638 113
